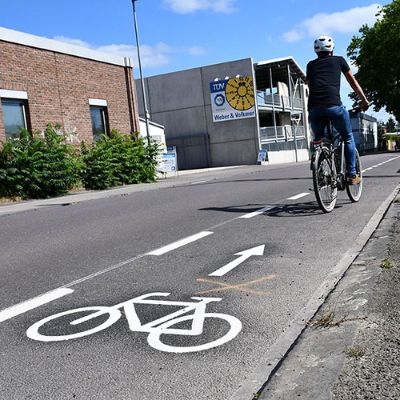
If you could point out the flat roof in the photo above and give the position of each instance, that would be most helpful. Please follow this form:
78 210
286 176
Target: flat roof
39 42
151 123
287 60
279 70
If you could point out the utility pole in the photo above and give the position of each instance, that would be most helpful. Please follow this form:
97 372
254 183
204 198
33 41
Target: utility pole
146 111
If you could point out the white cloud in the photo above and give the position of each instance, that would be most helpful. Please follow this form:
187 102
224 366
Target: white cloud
190 6
293 36
76 42
196 51
339 22
151 56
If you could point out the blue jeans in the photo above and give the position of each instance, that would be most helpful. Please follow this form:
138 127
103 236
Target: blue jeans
339 116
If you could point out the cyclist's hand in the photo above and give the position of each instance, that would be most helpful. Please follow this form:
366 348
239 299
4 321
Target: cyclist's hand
364 105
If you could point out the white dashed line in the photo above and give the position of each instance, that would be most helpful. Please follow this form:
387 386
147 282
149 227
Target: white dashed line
198 183
298 196
255 213
179 243
21 308
380 164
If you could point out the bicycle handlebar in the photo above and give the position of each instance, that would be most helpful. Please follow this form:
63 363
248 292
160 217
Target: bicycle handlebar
357 108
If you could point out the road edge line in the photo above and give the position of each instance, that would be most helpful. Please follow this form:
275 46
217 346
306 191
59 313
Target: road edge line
284 344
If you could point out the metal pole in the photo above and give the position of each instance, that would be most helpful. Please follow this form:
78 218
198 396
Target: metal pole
146 111
291 97
273 102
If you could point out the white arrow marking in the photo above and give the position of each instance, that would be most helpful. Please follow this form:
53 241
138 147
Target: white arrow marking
244 255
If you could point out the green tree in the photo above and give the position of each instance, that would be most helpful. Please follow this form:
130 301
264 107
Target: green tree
376 54
390 125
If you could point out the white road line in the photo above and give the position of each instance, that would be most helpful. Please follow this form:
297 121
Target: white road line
21 308
179 243
378 165
298 196
198 182
255 213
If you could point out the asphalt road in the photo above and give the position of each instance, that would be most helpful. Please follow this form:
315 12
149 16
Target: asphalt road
109 252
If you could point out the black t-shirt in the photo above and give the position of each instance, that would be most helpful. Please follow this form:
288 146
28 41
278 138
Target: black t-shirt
323 75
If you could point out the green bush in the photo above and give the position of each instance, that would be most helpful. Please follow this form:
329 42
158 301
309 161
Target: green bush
38 167
118 160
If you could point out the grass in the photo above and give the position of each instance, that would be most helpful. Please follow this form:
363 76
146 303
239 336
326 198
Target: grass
386 264
327 320
355 352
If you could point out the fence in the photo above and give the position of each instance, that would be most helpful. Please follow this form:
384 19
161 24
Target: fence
277 100
281 133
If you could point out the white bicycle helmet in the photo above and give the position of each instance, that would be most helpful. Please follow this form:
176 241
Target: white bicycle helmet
324 43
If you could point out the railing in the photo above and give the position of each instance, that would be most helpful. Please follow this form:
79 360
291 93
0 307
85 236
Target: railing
282 133
278 101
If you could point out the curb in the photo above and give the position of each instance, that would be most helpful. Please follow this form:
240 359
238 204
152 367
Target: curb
254 385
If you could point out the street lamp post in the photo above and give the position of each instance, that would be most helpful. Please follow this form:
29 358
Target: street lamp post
146 111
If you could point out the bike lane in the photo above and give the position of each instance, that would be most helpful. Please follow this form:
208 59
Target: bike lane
264 293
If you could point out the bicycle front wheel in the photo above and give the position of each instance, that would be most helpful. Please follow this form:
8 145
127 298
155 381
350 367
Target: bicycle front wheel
154 338
324 173
354 191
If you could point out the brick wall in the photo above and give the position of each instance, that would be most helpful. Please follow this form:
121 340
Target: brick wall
59 87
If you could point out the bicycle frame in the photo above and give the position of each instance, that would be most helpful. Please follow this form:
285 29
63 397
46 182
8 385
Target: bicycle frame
135 325
335 145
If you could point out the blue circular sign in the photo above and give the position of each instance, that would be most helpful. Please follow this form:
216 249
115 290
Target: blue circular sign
219 100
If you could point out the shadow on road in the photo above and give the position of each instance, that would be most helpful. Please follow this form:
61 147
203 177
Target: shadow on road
241 209
257 180
307 209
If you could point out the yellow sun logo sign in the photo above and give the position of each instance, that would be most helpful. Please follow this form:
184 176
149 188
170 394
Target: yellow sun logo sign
240 93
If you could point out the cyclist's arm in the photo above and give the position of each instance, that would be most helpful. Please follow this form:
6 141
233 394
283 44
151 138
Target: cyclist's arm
357 88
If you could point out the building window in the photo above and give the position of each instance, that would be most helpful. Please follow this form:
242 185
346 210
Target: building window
99 121
14 117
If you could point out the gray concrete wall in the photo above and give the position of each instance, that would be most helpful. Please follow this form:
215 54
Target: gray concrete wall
181 102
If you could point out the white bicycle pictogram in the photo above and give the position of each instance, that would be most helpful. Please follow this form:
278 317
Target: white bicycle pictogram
155 329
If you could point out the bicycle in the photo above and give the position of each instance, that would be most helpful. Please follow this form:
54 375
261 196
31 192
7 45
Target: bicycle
329 171
156 328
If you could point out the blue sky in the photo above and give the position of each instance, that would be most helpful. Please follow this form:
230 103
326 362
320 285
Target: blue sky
181 34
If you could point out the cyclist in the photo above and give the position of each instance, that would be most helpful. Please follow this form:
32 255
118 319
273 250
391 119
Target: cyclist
324 103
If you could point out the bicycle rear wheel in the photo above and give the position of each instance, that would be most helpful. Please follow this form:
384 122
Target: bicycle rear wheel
325 188
154 338
354 191
111 313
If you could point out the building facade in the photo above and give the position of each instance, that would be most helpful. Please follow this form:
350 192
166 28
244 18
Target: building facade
365 131
224 114
46 81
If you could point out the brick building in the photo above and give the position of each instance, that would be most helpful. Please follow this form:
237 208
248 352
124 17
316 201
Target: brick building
46 81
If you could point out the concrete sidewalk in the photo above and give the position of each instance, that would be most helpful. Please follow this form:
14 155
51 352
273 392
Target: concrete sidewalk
351 348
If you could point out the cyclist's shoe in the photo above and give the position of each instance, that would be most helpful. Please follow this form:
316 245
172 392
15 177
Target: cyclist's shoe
354 180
